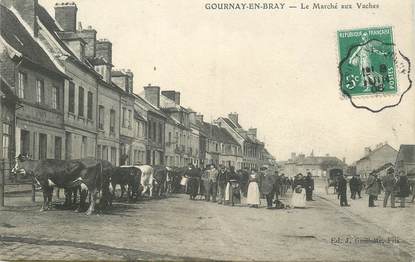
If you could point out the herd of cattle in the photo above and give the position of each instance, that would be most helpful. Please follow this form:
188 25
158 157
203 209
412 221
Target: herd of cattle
97 177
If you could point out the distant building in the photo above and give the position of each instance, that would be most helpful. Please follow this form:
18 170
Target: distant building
316 165
405 159
221 147
376 158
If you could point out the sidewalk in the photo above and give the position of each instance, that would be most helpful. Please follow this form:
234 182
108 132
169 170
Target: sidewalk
397 221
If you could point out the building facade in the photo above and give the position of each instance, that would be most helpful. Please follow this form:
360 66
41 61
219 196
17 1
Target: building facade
376 158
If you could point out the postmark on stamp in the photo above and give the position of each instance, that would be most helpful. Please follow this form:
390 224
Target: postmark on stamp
367 64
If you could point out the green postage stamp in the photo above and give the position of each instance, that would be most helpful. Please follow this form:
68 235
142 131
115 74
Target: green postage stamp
367 61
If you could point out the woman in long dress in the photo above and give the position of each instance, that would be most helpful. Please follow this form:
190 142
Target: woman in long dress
298 198
253 190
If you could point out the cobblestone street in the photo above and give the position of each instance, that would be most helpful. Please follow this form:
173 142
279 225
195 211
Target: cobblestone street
179 229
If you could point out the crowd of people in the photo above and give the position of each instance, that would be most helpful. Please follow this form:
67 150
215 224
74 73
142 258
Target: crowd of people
226 186
392 184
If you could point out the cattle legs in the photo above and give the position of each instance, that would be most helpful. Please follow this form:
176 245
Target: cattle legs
91 208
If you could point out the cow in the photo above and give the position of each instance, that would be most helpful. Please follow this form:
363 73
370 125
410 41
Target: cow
129 176
88 174
147 177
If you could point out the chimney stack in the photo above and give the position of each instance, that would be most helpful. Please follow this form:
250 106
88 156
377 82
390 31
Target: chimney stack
367 151
152 94
233 117
199 117
89 35
130 81
65 15
27 10
252 132
177 98
103 48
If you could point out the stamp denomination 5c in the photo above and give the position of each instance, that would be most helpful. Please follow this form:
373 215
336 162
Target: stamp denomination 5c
367 61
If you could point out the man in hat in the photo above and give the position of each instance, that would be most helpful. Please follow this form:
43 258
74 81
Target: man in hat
309 186
342 187
389 183
372 188
268 185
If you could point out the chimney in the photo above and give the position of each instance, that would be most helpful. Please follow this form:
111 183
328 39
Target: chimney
344 160
177 98
27 10
130 82
103 48
89 35
170 94
293 156
233 117
367 151
152 94
65 15
252 132
199 117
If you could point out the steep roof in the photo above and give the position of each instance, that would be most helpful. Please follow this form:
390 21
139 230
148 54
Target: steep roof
217 133
52 27
150 107
239 130
375 151
406 153
16 35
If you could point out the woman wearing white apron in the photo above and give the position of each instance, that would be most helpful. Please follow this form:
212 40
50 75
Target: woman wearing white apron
298 197
253 191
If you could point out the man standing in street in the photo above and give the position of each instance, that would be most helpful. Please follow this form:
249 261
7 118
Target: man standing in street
372 188
389 183
211 189
354 187
403 187
342 187
309 187
193 174
222 180
268 185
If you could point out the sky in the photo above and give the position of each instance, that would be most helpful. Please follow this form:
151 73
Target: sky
277 69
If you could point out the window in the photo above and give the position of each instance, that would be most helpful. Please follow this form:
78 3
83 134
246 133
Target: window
90 104
154 131
55 98
71 106
124 115
112 121
40 92
6 141
42 146
84 147
58 147
114 155
81 101
99 152
129 118
101 116
149 129
169 137
22 83
24 142
160 133
104 152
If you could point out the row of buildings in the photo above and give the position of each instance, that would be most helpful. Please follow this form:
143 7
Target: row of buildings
377 159
61 98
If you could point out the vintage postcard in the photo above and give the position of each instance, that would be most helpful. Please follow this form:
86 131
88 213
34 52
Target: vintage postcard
196 130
